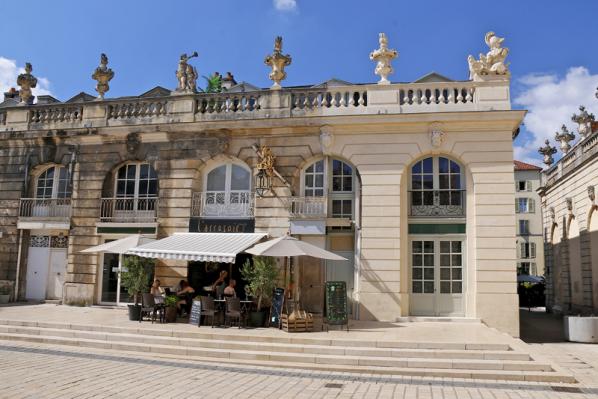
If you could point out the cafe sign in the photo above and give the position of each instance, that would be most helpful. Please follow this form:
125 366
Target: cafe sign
200 225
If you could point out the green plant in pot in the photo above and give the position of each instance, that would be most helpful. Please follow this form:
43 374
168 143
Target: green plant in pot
261 280
135 278
4 294
171 311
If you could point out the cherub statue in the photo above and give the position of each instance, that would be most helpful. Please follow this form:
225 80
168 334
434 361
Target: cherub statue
277 61
184 73
27 82
383 56
493 63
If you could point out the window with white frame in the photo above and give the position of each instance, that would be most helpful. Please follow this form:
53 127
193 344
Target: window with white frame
227 191
523 185
436 187
527 268
54 182
136 180
523 226
527 250
525 205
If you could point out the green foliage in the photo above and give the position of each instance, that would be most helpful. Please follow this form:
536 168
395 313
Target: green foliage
171 300
260 277
136 275
213 83
5 290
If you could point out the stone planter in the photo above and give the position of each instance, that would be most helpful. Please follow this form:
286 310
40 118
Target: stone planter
171 314
581 329
4 298
134 312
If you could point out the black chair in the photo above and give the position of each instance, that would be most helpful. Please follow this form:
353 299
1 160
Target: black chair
208 308
233 311
150 308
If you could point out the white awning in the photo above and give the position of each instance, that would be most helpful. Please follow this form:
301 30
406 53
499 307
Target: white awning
203 247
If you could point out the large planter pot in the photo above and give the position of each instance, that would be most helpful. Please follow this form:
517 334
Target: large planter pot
257 319
4 298
581 329
171 314
134 312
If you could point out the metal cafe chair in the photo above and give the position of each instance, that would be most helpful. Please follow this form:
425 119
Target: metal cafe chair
149 307
208 308
233 311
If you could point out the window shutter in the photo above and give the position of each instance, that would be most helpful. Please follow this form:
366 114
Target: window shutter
528 185
522 250
531 205
516 205
532 250
516 186
533 269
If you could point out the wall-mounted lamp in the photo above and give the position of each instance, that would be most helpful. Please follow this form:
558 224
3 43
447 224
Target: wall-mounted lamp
265 172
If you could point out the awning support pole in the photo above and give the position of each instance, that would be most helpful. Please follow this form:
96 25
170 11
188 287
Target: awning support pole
120 264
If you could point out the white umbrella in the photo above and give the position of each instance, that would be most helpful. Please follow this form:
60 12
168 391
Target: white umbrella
120 247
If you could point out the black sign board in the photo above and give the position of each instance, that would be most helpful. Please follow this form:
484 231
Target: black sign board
201 225
336 303
195 315
276 310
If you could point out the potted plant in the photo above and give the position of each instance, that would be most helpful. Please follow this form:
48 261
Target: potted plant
171 311
4 294
135 279
261 280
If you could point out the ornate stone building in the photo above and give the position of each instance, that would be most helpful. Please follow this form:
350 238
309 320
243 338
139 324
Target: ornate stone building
411 182
570 219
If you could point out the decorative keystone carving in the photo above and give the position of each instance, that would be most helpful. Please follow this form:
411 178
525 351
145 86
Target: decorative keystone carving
548 152
564 137
569 204
277 61
27 82
552 214
493 63
102 75
584 121
383 56
133 143
186 75
437 138
591 193
326 139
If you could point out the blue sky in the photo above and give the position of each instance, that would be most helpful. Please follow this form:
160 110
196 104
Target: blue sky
326 38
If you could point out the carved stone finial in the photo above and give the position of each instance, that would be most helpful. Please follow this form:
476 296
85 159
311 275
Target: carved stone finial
564 136
584 121
569 204
186 75
102 75
548 152
277 61
591 193
491 64
383 57
27 82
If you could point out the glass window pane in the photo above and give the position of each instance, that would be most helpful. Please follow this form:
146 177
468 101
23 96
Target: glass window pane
417 260
416 198
347 183
240 178
429 247
143 171
428 165
217 179
428 260
456 181
455 198
336 167
417 168
120 188
336 207
456 287
319 180
153 188
319 193
337 184
428 287
455 167
122 172
131 169
443 181
456 246
428 198
417 273
429 273
417 287
347 170
130 188
443 166
445 260
444 198
50 173
445 247
416 246
456 259
142 187
445 273
428 182
309 180
416 182
445 287
347 208
320 166
456 273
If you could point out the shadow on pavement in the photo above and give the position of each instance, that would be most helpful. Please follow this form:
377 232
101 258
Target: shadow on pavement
537 326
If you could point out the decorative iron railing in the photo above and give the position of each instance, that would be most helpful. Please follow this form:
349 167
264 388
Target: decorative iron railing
45 208
437 203
129 210
308 207
223 204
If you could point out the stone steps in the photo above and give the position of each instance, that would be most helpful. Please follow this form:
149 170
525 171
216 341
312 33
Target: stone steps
452 360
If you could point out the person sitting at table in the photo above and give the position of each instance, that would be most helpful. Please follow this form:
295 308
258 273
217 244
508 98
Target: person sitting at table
185 295
157 291
219 284
230 289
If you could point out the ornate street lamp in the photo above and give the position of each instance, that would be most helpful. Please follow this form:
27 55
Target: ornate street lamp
265 171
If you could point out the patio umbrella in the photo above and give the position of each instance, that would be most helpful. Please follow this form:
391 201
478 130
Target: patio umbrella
287 246
120 247
522 278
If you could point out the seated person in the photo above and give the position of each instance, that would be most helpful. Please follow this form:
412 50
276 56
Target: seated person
219 284
185 295
230 289
157 292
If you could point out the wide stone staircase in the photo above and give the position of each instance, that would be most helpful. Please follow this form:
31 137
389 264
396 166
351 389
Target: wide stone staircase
490 361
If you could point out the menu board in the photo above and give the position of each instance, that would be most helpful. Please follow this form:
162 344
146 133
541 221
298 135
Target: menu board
195 315
336 302
276 310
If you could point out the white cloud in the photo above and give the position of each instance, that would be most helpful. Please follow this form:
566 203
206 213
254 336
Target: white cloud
550 101
8 78
285 5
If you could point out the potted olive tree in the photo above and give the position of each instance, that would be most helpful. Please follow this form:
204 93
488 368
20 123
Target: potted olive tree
135 278
261 280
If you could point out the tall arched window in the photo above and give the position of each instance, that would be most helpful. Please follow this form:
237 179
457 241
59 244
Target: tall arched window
437 188
54 182
227 191
136 180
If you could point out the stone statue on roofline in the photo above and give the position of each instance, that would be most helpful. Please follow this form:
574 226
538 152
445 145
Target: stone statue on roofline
547 151
584 121
383 57
102 75
491 64
186 75
277 61
26 81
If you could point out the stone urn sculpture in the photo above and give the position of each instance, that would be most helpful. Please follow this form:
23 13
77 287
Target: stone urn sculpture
383 57
102 75
26 81
277 61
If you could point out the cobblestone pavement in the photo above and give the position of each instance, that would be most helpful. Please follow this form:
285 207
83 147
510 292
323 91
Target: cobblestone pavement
45 371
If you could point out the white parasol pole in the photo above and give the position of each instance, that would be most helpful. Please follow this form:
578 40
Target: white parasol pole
120 264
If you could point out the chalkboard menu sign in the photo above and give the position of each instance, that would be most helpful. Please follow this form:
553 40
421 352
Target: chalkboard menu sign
276 310
336 303
195 315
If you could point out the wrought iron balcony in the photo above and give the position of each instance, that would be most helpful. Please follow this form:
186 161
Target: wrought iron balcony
437 203
308 207
129 210
223 204
45 209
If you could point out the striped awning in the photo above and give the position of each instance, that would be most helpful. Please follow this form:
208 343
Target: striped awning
203 247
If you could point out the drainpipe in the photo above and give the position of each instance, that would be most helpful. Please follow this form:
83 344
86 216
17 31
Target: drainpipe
19 250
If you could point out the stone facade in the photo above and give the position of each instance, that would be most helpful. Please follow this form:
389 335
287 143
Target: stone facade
380 131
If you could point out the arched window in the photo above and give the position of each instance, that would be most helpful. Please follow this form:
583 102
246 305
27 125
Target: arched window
227 192
437 188
136 180
54 182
